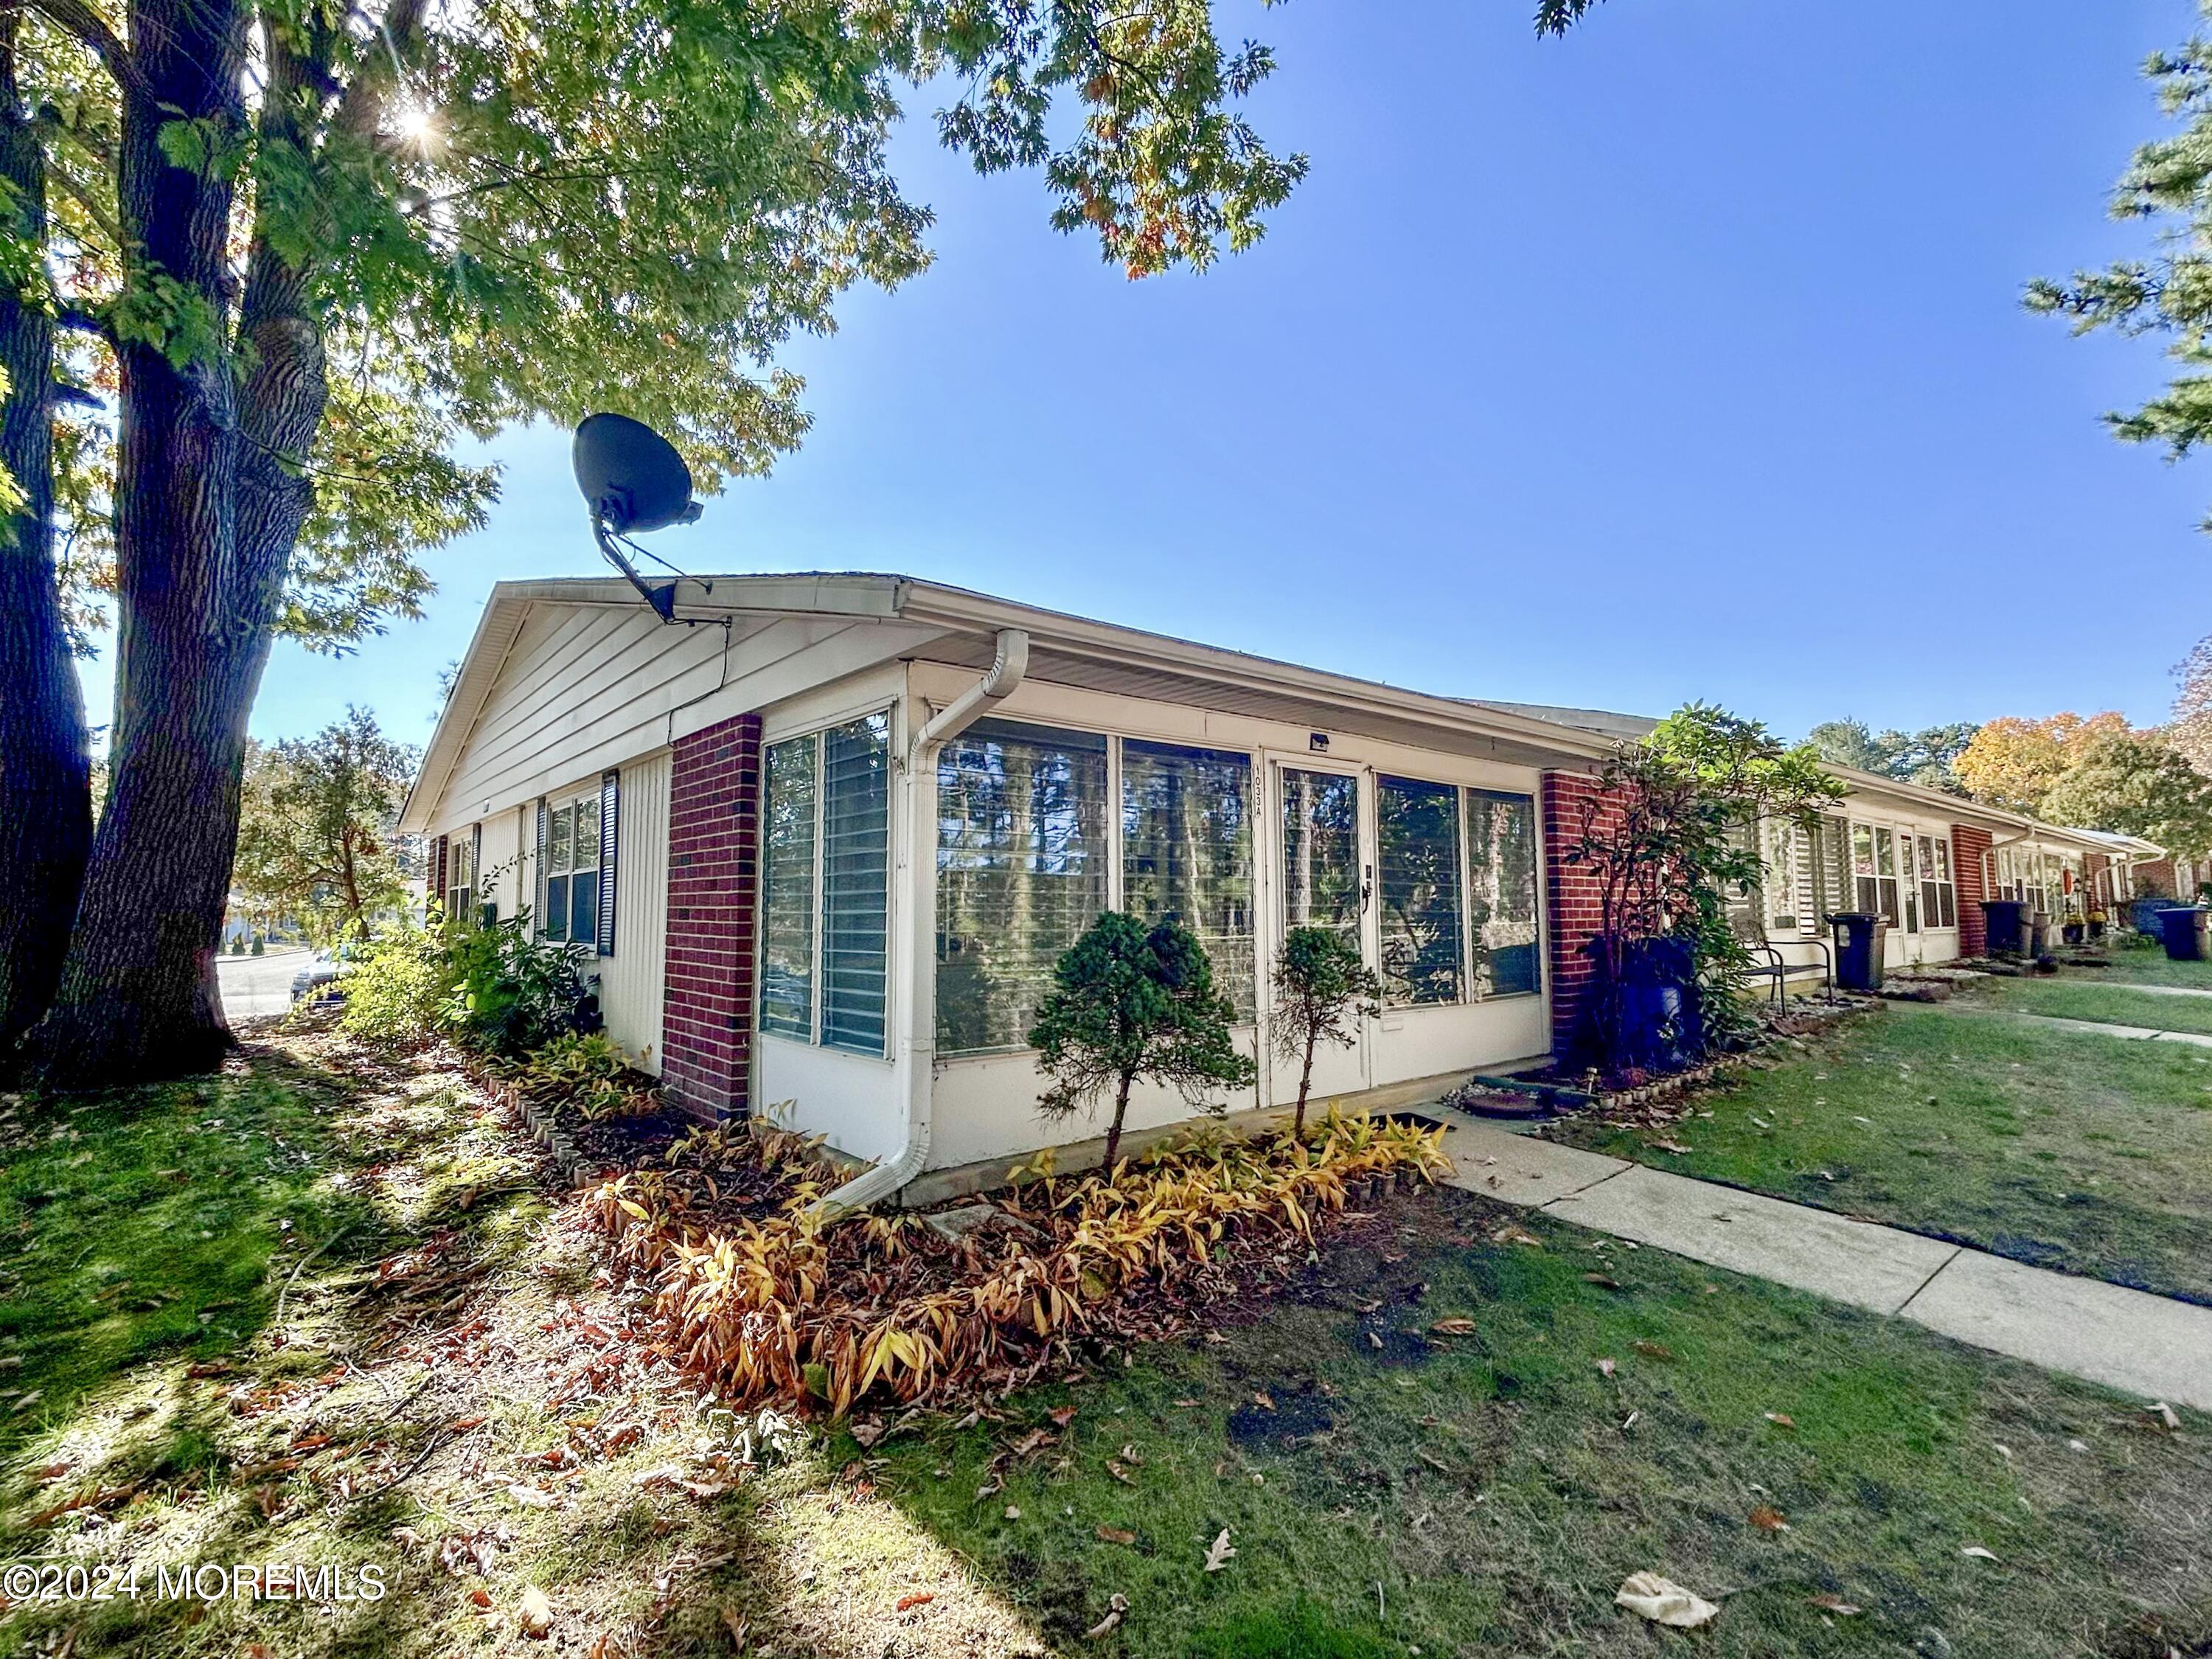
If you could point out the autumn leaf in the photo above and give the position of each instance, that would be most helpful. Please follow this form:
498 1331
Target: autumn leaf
1663 1602
1116 1605
1455 1326
534 1616
1653 1350
1116 1536
1782 1420
1218 1552
918 1599
1602 1281
1265 1402
1837 1605
1767 1518
1062 1416
1979 1552
1606 1368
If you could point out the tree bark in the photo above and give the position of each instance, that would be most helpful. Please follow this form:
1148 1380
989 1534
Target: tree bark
137 998
46 785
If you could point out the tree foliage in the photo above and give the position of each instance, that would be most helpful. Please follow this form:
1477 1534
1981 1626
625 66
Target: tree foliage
2013 761
2137 783
1671 837
1323 988
316 826
1132 1004
1928 757
2168 292
297 252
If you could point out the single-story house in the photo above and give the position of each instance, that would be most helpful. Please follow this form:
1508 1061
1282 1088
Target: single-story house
827 835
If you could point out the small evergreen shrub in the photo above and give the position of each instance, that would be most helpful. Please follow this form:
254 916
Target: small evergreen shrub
257 945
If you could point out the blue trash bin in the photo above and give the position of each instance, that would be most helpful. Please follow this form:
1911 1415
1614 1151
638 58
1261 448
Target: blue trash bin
2185 929
1859 936
2005 920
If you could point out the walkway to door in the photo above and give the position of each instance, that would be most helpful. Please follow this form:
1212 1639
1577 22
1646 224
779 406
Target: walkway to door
2145 1345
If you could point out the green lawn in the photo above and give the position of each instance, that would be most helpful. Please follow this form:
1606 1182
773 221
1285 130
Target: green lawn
2082 997
461 1396
2149 967
2088 1153
1488 1494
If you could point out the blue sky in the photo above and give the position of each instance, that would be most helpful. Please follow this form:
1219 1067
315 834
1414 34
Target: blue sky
1682 357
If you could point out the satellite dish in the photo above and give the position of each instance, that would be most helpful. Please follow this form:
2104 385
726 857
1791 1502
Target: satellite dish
631 476
633 480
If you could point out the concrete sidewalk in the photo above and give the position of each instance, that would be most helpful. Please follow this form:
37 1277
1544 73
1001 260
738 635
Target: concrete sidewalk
2131 1033
2128 1339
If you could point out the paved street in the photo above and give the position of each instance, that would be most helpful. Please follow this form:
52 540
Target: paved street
254 987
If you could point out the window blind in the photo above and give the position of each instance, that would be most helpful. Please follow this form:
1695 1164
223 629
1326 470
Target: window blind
788 889
1022 862
1186 852
1321 851
1417 883
1501 864
787 952
855 882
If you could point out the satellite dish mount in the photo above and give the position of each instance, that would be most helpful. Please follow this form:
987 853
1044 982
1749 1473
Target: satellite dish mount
633 481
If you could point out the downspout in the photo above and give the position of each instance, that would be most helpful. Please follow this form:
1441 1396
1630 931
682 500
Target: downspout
870 1186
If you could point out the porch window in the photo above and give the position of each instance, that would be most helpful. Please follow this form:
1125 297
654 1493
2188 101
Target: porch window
1022 865
1864 875
1778 853
1417 872
1321 852
1939 904
825 904
1186 852
1501 863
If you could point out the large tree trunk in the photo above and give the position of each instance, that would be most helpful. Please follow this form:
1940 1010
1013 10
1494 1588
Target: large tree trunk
137 996
45 793
210 501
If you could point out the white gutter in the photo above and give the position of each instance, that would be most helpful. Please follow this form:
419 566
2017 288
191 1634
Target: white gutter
871 1185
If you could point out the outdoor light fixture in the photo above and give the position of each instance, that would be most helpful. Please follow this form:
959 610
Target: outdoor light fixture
1317 742
634 481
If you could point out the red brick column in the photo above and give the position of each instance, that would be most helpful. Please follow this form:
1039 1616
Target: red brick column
1570 896
1968 847
713 837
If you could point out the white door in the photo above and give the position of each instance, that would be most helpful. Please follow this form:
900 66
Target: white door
1324 877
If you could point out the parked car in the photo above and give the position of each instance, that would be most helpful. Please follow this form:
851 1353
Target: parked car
318 982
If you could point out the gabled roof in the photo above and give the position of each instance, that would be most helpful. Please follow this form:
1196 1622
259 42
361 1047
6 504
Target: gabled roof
1068 648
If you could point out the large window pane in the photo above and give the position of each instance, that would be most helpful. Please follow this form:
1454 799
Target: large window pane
1321 851
1187 851
1501 862
1418 876
1021 872
855 882
787 999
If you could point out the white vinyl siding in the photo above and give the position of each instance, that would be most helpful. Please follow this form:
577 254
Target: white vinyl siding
633 979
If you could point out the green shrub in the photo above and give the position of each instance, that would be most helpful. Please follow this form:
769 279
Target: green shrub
257 945
511 993
398 989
